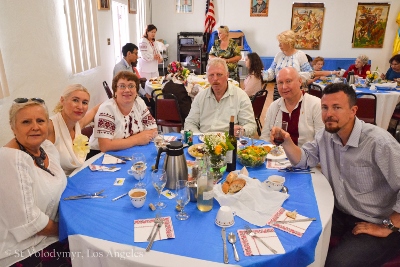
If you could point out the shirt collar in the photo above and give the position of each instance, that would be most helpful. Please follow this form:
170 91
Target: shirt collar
126 64
227 93
282 106
354 138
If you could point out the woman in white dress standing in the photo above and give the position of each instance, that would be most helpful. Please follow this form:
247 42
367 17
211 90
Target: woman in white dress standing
149 54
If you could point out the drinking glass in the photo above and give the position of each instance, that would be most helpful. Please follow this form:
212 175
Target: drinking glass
159 179
278 136
182 198
243 139
158 140
139 168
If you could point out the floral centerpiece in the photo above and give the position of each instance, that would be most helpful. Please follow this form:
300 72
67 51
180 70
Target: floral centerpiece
81 146
372 76
178 72
216 146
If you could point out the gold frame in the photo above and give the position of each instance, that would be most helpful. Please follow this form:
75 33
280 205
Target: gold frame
307 22
132 6
180 6
103 4
261 14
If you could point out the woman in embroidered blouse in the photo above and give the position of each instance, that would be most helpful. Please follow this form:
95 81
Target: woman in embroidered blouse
228 50
288 57
253 81
360 67
149 54
65 126
32 184
124 120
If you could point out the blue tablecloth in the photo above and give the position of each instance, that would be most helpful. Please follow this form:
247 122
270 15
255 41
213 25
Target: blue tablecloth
197 237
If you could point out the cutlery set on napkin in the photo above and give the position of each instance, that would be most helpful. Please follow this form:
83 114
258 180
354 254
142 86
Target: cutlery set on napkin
151 230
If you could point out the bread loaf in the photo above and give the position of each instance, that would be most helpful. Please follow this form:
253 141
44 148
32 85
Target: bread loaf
232 176
225 187
237 185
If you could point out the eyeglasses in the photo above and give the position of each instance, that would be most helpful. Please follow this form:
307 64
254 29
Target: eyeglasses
123 86
21 100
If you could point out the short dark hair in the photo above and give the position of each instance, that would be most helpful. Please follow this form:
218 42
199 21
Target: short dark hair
130 76
395 58
129 47
341 87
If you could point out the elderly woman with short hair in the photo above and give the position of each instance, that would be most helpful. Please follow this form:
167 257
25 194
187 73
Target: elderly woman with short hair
360 67
32 184
289 56
123 121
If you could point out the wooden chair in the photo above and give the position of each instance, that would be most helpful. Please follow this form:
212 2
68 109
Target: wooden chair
258 102
315 90
88 130
108 90
167 111
366 103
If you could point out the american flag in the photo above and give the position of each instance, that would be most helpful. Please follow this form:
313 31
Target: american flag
209 22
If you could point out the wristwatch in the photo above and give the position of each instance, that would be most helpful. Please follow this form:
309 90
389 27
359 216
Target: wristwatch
388 224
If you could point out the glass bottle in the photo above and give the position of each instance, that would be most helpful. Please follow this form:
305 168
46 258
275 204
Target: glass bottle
205 193
231 154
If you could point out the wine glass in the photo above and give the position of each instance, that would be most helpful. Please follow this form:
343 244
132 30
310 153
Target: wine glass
182 198
159 140
278 136
159 179
243 139
139 168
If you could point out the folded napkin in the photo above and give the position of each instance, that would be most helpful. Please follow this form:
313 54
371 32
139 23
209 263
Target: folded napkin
252 247
142 229
297 228
255 203
109 159
100 168
278 164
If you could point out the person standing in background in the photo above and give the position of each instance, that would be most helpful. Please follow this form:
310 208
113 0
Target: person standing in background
150 57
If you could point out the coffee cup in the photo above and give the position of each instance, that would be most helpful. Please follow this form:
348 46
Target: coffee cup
137 174
225 217
138 197
275 182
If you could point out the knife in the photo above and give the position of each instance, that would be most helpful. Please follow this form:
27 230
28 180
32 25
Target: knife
154 236
83 197
223 234
294 221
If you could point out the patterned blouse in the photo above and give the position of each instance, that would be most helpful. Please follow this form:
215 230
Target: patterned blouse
231 51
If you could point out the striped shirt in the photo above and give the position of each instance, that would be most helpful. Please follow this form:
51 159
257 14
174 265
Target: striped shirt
363 174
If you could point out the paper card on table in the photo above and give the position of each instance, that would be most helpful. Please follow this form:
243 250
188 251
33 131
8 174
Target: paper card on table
142 229
109 159
168 194
297 228
169 138
119 181
253 247
277 164
100 168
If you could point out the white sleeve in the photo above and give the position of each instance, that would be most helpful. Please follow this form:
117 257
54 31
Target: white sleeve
146 51
104 121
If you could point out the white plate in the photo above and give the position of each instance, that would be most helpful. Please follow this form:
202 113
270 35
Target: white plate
270 156
192 150
201 136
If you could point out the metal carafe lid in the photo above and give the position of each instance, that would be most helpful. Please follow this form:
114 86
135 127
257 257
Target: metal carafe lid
175 148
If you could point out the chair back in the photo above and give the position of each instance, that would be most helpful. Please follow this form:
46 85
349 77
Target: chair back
88 130
258 102
366 111
167 111
315 90
108 90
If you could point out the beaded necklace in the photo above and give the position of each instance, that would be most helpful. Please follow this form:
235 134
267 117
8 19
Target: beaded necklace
38 160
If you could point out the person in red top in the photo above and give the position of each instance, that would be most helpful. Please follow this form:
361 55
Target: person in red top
360 67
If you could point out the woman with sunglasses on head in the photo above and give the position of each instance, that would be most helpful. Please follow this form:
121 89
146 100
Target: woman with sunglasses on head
71 115
228 50
32 184
124 120
149 54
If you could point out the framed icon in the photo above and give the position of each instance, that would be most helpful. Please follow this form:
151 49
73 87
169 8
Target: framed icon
184 6
103 4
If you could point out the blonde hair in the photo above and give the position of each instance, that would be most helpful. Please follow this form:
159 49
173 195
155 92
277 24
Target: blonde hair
16 107
287 37
363 58
67 91
224 28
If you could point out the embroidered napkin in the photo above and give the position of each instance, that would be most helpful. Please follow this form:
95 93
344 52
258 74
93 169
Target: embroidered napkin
109 159
297 228
253 247
100 168
169 138
142 229
278 164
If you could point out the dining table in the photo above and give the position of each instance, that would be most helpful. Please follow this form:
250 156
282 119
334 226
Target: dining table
101 231
386 102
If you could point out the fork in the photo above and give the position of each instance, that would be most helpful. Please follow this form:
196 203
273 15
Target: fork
157 220
253 235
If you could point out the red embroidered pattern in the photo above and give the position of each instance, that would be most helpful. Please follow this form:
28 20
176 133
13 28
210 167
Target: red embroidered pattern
106 124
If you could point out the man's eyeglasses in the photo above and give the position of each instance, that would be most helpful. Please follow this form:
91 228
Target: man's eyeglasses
123 86
21 100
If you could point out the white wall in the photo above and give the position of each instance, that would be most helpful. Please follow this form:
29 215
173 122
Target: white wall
34 42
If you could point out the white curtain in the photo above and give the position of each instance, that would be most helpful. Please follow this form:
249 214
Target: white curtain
3 80
141 19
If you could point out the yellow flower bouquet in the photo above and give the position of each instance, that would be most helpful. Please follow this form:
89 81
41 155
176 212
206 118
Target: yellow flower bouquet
81 146
372 76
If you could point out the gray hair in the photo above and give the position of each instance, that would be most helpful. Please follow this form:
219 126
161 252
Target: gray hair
364 59
217 61
67 91
16 107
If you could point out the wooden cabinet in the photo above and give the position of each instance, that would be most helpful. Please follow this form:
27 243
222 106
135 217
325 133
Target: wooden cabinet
189 49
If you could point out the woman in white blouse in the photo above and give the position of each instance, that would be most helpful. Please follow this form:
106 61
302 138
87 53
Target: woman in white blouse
149 54
32 183
124 120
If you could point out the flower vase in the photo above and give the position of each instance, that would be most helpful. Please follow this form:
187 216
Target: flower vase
217 166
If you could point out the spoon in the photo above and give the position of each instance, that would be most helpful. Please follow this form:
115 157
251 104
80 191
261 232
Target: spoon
232 240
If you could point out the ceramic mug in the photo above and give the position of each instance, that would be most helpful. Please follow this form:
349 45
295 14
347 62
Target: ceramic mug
225 217
136 174
138 197
275 182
